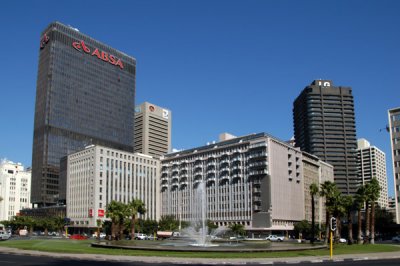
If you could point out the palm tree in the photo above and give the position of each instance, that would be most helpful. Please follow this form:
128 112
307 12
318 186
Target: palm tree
327 191
348 204
116 211
359 202
99 222
134 207
373 193
367 213
313 191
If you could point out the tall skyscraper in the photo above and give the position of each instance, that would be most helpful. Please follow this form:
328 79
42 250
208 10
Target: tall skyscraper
394 129
371 163
324 125
85 95
152 129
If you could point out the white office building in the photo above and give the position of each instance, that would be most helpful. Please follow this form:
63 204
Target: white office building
15 189
254 180
371 163
98 175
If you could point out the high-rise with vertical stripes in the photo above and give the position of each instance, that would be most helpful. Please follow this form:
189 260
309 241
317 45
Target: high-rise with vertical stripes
324 125
85 95
371 163
152 129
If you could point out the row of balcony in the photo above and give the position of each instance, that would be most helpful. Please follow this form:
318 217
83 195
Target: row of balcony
184 165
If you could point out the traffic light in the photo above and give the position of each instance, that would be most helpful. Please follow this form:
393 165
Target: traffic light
333 224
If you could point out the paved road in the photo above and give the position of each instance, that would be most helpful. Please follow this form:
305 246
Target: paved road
29 260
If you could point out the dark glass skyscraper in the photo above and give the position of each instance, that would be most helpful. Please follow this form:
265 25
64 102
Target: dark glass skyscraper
324 125
85 95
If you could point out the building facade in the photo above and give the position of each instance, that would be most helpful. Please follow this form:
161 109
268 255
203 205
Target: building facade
324 125
15 187
254 180
394 129
98 175
152 129
371 163
317 172
85 95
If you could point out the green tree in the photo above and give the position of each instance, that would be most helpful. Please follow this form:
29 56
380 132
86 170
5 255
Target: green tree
237 229
150 227
211 226
46 223
135 207
116 211
384 220
302 229
58 224
314 190
168 223
373 192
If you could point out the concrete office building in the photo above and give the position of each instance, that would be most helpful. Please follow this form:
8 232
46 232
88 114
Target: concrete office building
371 163
15 188
85 95
317 172
394 129
324 125
152 129
254 180
97 175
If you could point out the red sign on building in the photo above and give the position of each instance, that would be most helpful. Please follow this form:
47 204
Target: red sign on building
90 212
81 47
44 40
100 213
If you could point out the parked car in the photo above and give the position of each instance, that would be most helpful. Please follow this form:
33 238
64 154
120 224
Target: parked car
342 240
102 235
4 235
275 238
396 239
140 236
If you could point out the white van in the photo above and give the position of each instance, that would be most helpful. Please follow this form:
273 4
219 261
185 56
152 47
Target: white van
4 235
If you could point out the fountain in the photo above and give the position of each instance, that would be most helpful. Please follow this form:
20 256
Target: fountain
198 240
199 215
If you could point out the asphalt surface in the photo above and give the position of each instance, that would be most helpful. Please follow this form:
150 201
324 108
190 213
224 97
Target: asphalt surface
173 260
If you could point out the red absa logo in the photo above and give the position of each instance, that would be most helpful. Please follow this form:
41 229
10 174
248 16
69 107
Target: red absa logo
44 40
81 47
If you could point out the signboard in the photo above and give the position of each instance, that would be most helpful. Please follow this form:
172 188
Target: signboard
82 47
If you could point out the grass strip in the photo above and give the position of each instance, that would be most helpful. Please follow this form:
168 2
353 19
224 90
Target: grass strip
83 247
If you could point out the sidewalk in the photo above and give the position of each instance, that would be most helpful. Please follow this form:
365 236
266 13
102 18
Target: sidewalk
101 257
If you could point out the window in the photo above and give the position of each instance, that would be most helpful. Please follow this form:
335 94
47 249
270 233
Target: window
396 117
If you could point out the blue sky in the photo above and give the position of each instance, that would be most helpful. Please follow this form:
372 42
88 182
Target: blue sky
219 66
